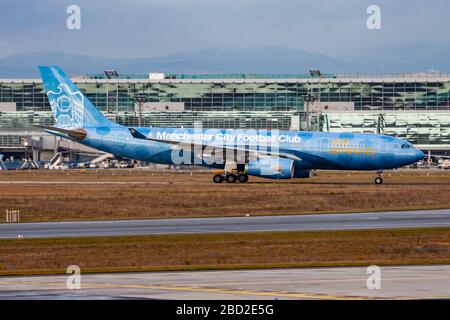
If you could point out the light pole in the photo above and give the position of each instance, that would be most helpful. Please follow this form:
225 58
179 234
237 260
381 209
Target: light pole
139 99
308 98
111 102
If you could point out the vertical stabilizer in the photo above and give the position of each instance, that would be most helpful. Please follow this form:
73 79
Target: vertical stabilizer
70 107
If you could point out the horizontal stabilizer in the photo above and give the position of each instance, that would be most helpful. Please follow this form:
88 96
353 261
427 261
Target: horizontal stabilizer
76 133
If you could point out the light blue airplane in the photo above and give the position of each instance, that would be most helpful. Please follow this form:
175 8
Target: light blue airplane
238 153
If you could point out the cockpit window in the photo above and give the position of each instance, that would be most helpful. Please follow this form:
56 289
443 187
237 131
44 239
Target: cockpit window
405 146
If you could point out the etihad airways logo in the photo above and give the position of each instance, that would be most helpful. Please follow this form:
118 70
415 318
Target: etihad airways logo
67 107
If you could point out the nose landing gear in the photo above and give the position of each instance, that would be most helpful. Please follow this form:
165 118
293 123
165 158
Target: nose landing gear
379 179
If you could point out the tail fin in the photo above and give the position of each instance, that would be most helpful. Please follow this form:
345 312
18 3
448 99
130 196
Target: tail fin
70 107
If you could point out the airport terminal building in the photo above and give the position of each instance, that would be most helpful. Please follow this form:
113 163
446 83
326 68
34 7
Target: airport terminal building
415 107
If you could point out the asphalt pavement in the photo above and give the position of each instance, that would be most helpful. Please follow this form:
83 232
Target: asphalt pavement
316 222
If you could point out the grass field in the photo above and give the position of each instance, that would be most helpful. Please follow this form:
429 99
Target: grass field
131 194
224 251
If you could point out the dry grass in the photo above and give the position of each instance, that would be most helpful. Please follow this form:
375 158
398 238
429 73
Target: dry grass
129 194
220 251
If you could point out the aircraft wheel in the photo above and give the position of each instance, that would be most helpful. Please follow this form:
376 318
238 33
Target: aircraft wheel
378 180
231 178
243 178
218 178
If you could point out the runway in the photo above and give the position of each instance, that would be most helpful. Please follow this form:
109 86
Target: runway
406 282
317 222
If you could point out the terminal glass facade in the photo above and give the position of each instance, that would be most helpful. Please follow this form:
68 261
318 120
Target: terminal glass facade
287 120
414 107
245 94
422 128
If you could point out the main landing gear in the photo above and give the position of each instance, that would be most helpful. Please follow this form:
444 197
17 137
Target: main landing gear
232 172
230 177
379 179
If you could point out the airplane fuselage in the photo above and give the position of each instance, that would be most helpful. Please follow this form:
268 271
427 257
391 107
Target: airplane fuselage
265 153
314 150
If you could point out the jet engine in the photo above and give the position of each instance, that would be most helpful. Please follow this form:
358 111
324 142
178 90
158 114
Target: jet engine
302 173
272 168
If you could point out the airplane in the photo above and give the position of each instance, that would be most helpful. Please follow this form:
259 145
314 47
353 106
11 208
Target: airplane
237 153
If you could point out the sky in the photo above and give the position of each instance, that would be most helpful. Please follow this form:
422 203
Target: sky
149 28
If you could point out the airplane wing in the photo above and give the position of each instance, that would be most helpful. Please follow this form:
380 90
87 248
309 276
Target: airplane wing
241 155
438 156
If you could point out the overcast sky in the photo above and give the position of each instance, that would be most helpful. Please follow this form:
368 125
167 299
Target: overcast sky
145 28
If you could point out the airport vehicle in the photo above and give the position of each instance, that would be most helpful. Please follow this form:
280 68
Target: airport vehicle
93 165
265 153
125 164
445 164
107 164
61 166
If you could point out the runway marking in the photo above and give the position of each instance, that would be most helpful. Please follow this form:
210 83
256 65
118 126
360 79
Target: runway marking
46 284
386 278
274 294
202 289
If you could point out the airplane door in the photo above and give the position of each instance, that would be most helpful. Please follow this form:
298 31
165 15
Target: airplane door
386 156
345 155
119 136
324 146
